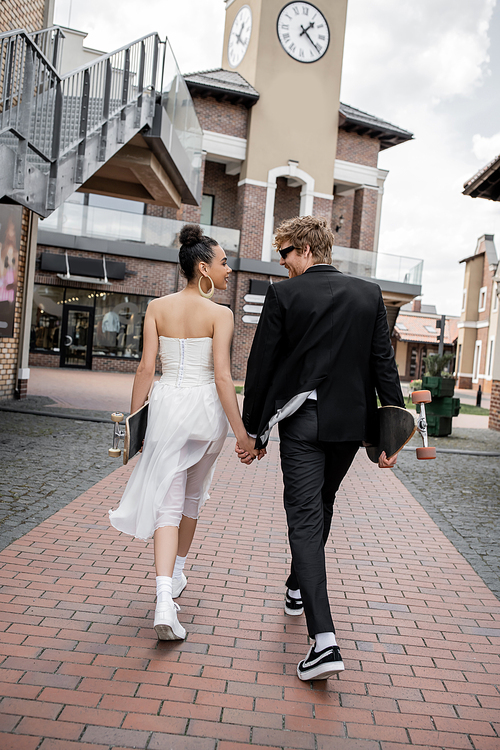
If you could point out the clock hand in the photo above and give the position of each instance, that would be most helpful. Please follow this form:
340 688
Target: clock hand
304 31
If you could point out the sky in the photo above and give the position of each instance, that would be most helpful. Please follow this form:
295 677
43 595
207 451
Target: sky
429 66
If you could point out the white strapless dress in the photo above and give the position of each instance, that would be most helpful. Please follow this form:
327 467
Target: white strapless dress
186 431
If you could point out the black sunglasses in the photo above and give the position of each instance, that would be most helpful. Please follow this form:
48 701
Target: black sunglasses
283 251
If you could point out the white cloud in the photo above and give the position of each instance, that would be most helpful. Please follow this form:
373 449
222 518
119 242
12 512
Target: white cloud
485 149
418 65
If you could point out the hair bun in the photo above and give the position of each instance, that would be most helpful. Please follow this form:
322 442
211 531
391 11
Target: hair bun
190 235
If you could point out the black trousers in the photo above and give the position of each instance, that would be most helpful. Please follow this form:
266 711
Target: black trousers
312 473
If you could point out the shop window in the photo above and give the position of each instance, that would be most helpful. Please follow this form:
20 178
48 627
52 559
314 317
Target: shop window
46 318
207 210
118 324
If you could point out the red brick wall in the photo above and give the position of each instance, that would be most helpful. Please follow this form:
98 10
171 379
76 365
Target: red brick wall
364 217
225 189
360 149
287 202
244 332
153 278
494 420
343 205
323 207
221 117
251 211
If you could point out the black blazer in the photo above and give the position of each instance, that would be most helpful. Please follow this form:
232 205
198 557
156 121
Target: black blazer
327 331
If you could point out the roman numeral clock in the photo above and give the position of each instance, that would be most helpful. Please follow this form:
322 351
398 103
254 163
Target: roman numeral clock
303 32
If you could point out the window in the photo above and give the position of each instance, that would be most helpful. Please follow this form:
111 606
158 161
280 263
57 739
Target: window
482 299
464 299
431 329
401 326
118 324
46 318
459 358
413 363
207 210
491 351
477 361
118 320
496 292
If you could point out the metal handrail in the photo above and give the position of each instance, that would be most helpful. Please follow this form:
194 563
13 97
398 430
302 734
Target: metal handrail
54 114
50 42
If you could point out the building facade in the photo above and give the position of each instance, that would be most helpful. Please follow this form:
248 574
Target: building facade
262 162
477 325
480 320
416 335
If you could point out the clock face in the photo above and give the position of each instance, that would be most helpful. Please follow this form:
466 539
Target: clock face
239 37
303 32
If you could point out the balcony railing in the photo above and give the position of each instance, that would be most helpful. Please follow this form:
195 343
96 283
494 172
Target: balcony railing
108 224
379 266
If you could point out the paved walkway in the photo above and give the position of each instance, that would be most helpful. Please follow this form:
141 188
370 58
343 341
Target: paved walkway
81 667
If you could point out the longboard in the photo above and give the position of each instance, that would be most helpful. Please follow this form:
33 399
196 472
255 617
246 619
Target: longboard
397 427
132 435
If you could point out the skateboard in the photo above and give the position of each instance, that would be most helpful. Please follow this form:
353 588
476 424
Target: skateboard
132 435
397 426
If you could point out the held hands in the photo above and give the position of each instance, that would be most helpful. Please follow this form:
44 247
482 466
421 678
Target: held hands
387 463
247 453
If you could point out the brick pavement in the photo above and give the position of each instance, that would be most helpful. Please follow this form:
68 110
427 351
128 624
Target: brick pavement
81 667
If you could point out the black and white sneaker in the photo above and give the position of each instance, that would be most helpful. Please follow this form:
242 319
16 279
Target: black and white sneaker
321 664
293 606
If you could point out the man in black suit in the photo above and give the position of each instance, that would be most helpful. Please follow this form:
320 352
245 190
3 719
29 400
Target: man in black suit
320 355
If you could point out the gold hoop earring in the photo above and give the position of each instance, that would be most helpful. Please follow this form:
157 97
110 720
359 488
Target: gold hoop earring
210 294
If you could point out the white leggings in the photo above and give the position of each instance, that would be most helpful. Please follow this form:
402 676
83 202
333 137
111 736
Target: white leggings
185 494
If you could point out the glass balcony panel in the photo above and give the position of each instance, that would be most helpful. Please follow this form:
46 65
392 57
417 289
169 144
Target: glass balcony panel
368 265
109 224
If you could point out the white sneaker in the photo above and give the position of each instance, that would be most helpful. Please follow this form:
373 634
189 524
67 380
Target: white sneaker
166 624
178 585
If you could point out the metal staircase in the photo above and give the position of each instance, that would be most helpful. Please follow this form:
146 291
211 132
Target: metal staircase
57 131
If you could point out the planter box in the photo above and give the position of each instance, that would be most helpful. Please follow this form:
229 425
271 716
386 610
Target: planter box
438 386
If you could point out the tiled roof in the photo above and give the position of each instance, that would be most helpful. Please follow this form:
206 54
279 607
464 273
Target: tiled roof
224 84
416 331
230 85
353 119
486 182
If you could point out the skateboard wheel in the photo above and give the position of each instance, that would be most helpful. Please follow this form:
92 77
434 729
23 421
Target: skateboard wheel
425 453
117 416
421 397
114 452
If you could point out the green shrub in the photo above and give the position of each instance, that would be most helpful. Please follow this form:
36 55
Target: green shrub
435 364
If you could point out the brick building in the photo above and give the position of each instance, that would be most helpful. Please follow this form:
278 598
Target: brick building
102 255
416 335
478 356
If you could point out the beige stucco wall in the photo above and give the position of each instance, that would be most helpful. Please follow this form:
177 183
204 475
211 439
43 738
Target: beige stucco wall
296 117
401 354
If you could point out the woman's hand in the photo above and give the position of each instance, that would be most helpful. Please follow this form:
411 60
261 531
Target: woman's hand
246 450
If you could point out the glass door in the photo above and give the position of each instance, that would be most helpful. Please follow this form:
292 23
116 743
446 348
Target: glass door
76 338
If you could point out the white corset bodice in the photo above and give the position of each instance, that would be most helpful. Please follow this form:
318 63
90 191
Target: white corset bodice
186 363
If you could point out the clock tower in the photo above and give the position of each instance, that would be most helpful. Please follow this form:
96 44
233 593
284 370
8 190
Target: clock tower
291 53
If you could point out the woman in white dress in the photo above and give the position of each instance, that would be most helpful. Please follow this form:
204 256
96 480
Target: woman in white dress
187 422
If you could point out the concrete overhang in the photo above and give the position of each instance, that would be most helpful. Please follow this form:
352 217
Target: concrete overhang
135 173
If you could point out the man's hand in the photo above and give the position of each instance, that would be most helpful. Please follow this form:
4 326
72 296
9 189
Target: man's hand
387 463
247 457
